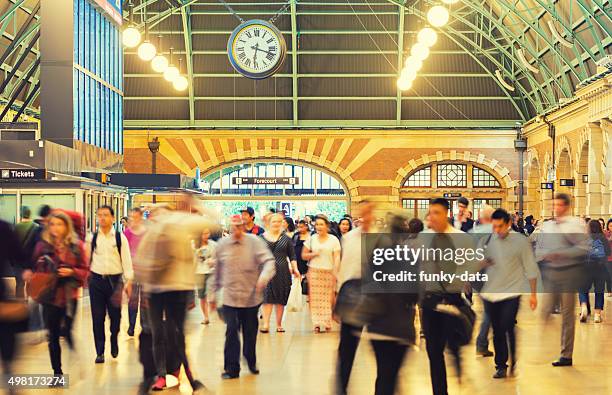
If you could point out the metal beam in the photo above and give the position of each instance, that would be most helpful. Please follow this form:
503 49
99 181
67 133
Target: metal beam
137 124
9 13
400 53
294 62
321 98
186 19
319 75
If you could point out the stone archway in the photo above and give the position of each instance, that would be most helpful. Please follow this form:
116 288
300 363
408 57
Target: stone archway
533 197
564 171
580 189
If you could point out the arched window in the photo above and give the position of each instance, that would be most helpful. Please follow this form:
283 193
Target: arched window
271 179
482 178
420 178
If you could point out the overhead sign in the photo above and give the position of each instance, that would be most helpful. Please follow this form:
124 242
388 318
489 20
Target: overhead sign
546 185
265 180
452 195
286 208
112 8
567 182
23 174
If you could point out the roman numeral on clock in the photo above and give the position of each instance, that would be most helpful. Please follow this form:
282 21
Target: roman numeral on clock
249 35
270 56
256 32
270 40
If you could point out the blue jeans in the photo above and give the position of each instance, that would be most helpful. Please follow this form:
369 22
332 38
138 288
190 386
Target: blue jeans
482 341
597 282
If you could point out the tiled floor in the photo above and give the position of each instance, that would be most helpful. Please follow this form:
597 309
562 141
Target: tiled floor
300 362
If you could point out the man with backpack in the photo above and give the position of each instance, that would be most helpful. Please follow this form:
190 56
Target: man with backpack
111 266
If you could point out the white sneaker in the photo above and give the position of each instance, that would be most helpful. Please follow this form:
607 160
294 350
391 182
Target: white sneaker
583 313
597 318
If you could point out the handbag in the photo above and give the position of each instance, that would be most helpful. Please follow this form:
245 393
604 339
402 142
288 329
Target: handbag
355 307
13 311
294 303
42 286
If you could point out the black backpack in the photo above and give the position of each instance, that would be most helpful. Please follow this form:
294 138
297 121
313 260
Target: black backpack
94 241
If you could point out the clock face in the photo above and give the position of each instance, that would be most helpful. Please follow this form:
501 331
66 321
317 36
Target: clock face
256 49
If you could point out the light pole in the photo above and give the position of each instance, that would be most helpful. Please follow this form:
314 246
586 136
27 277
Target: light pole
520 145
154 148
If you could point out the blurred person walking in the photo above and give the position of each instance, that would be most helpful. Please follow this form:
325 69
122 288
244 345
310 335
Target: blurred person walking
277 291
350 269
596 272
62 256
484 228
442 328
111 266
322 251
561 250
134 233
244 268
205 269
165 269
511 264
10 251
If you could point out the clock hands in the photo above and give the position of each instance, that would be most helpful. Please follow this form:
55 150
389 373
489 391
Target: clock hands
256 48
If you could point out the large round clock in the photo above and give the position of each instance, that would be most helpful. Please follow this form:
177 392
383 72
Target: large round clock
256 49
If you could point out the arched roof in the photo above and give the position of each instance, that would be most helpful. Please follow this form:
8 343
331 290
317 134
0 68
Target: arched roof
347 56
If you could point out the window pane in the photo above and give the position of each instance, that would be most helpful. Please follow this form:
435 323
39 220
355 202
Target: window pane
482 178
420 178
452 175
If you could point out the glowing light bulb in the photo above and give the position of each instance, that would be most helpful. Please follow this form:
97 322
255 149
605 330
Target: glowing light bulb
413 63
437 16
171 73
420 51
427 36
180 83
408 74
146 51
404 84
131 37
159 63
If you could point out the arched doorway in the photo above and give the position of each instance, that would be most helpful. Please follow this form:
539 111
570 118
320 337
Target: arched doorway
533 196
277 184
452 179
564 172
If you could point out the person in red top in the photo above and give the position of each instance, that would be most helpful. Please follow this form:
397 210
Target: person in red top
248 217
61 252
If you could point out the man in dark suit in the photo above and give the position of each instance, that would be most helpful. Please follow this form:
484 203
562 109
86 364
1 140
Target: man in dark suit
462 220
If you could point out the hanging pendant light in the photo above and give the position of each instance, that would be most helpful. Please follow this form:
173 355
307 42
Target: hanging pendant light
413 63
427 36
420 51
160 62
146 50
180 83
438 16
131 35
171 71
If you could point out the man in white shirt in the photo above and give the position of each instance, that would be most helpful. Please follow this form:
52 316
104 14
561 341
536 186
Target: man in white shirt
111 266
511 264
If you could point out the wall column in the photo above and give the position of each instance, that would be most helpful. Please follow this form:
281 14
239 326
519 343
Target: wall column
595 186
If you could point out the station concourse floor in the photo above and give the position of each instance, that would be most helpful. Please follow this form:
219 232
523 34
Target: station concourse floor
298 362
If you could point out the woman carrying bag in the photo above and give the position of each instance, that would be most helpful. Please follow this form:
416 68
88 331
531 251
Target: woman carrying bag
61 264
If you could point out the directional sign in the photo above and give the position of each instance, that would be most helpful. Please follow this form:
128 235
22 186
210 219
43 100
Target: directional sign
23 174
265 180
452 195
286 207
546 185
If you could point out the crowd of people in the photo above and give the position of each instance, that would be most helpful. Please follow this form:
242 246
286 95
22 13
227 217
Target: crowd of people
160 265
